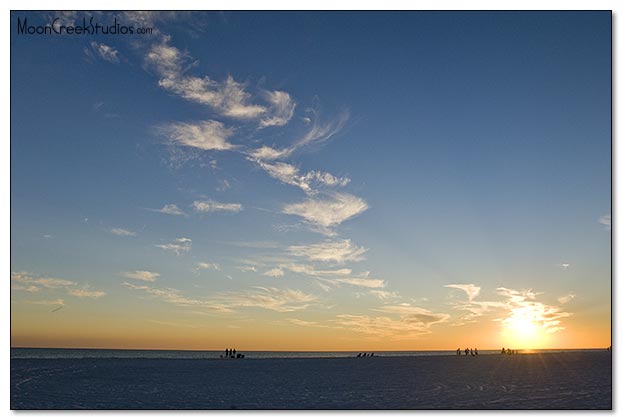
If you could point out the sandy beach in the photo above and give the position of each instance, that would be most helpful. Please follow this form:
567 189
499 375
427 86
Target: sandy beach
573 380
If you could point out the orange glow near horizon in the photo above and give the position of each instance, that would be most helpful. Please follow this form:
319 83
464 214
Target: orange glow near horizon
261 335
524 333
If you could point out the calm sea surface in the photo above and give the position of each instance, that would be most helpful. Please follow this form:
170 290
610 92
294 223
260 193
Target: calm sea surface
39 353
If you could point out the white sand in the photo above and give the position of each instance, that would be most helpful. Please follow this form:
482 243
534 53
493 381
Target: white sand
579 380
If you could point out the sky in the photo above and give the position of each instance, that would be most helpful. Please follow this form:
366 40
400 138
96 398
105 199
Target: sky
312 181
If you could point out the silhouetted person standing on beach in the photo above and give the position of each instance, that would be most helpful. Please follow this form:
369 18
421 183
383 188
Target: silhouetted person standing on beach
466 351
458 352
503 350
476 353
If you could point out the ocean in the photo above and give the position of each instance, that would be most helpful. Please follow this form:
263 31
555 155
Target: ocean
52 353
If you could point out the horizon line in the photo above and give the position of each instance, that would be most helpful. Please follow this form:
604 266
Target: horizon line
301 351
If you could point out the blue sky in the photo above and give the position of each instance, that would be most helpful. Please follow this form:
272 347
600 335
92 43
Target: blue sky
323 169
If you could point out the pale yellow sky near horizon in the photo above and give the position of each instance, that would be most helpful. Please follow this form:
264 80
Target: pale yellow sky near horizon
64 329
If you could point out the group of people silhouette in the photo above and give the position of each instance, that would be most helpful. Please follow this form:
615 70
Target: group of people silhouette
508 351
232 354
365 355
467 351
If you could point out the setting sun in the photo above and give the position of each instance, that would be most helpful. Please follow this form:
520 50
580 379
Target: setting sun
524 329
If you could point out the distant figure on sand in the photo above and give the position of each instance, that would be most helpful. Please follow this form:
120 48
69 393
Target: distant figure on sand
476 353
466 351
227 352
458 352
503 350
234 352
358 355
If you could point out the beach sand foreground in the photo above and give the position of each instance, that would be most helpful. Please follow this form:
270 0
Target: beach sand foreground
573 380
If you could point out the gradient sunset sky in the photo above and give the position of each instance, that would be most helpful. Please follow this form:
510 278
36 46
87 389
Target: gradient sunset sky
312 181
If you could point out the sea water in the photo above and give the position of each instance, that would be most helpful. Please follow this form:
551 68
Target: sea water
54 353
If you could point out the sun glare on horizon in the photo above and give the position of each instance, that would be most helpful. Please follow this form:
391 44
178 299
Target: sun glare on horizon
523 330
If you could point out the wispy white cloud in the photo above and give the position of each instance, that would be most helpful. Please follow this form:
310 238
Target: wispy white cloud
179 246
208 266
143 275
325 287
302 323
286 173
566 298
357 281
325 178
46 282
31 283
317 134
309 182
312 271
517 307
281 109
329 212
122 232
410 323
103 51
275 272
55 302
213 206
539 314
564 266
65 18
86 293
384 294
166 294
253 244
270 298
229 98
326 276
322 132
471 290
605 221
171 209
267 153
223 185
204 135
415 314
32 288
516 296
329 251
